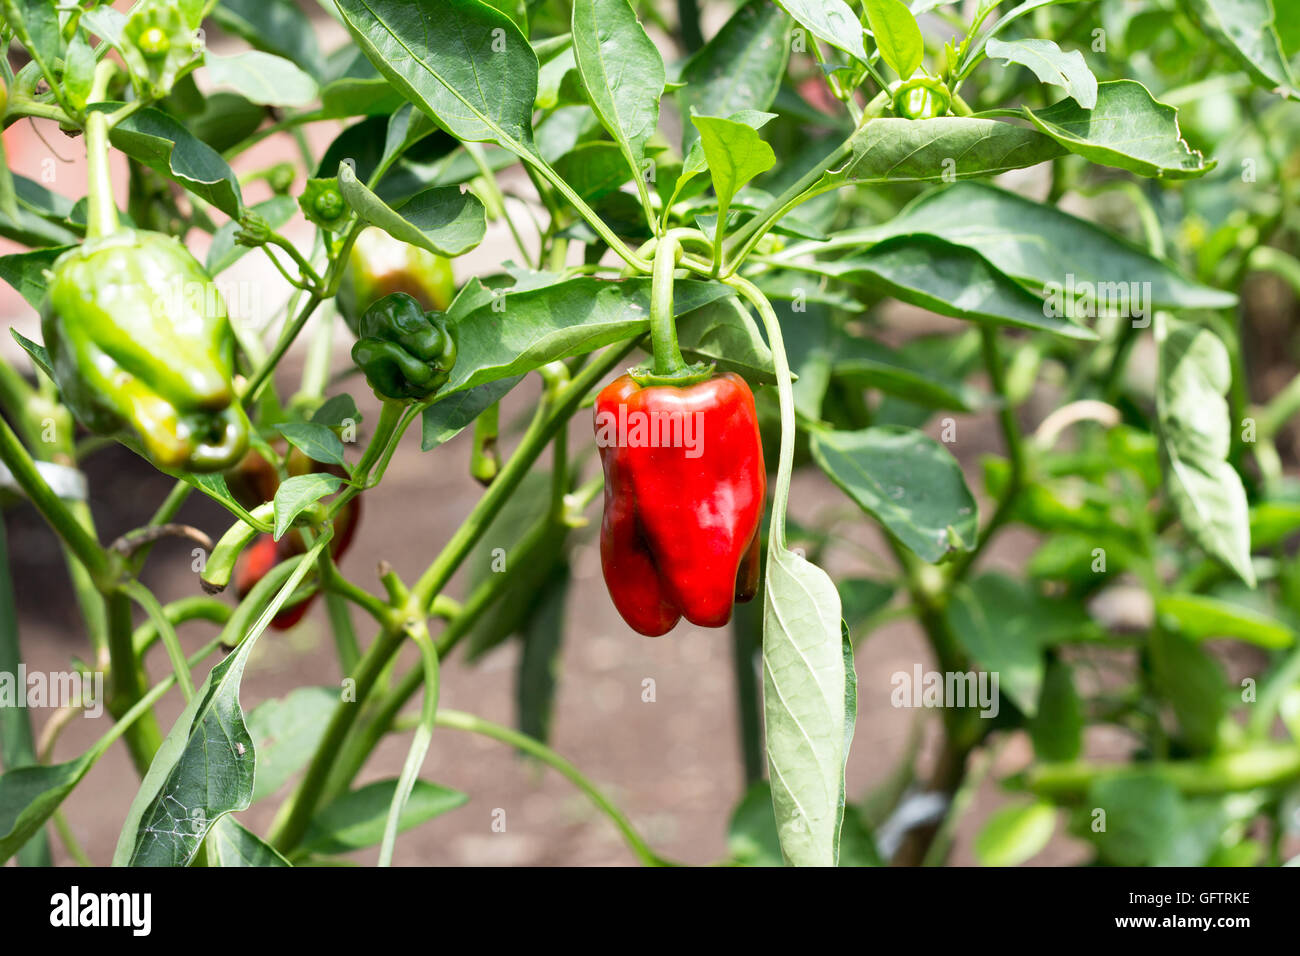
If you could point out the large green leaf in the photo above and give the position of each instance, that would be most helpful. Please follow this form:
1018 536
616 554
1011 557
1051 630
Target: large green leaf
277 26
1200 616
1247 29
1193 427
622 71
897 36
1051 65
1191 680
262 78
461 61
285 733
808 706
356 820
1038 244
163 144
524 330
831 21
1127 129
738 69
442 219
952 280
937 150
724 333
905 480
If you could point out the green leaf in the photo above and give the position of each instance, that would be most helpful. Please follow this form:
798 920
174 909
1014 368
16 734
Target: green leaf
1141 817
539 662
1193 683
1038 244
937 150
356 820
1199 617
896 34
905 480
862 597
521 331
951 280
752 839
460 61
285 734
1247 30
25 271
740 68
1127 129
735 154
317 442
1014 834
503 543
595 170
40 355
1194 372
986 620
337 410
276 26
164 145
203 770
622 71
807 696
868 364
723 332
448 417
262 78
1057 728
300 492
442 219
831 21
229 844
30 795
1051 65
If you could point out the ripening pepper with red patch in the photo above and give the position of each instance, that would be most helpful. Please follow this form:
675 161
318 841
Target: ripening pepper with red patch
684 491
255 481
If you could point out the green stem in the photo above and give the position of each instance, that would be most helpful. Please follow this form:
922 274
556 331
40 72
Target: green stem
163 625
143 738
785 394
663 328
1265 765
51 507
101 214
194 608
17 744
419 745
457 720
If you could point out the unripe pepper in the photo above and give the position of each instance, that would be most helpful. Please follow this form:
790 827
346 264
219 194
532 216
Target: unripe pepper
684 493
406 353
142 349
380 265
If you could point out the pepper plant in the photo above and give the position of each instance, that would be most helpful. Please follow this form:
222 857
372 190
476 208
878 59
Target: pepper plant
737 221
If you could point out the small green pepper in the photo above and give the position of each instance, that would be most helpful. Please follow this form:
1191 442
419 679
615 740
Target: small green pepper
406 353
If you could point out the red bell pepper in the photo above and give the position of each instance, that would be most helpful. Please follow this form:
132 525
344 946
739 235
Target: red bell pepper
684 493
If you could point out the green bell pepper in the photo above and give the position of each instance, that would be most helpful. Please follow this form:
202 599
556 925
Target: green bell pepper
142 350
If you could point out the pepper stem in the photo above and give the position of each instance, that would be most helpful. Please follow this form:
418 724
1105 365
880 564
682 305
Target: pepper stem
101 216
667 366
663 329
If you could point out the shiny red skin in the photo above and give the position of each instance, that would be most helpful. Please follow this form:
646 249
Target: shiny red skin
680 536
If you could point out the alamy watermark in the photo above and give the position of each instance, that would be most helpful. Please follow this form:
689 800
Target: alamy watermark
951 689
636 428
54 689
1088 300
